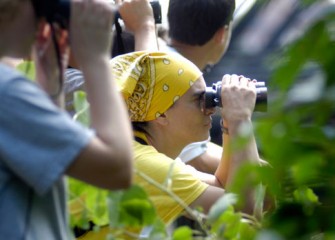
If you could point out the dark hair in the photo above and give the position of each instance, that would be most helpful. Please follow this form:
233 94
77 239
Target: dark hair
124 42
194 22
140 126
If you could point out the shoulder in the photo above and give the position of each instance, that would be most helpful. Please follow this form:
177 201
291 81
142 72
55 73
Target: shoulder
158 166
147 153
8 74
153 169
15 88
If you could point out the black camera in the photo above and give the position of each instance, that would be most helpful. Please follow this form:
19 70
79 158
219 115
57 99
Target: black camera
53 10
213 96
59 11
156 8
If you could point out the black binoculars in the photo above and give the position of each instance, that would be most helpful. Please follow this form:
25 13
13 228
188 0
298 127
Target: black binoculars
213 96
58 11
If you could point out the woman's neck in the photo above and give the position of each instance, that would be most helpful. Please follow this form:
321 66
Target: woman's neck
169 147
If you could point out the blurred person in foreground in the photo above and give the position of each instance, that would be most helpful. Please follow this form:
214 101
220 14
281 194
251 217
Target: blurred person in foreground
39 142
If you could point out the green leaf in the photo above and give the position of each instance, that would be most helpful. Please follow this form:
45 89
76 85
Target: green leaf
247 231
135 208
90 200
228 224
221 205
28 69
182 233
158 230
305 195
307 167
81 107
114 200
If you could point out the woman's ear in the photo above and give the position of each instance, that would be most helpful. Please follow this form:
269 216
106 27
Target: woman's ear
162 119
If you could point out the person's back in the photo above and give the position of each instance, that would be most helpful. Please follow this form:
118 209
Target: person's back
21 142
39 142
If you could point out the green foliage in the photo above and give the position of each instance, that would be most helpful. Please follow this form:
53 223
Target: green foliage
131 208
28 69
81 107
182 233
221 205
302 138
87 203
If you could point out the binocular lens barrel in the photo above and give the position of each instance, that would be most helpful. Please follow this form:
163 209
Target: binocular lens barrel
213 96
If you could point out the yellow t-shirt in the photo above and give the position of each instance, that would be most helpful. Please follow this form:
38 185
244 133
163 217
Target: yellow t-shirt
158 167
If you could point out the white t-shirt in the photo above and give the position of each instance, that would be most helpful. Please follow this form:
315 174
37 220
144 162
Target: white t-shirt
193 150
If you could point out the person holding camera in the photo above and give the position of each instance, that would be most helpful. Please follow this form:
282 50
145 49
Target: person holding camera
165 96
39 142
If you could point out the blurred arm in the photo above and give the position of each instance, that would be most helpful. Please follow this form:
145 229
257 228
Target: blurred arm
139 20
107 160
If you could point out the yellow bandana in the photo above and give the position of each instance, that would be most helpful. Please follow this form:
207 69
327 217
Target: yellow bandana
152 81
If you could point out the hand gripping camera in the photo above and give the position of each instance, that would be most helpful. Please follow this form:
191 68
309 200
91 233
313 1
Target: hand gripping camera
59 11
213 96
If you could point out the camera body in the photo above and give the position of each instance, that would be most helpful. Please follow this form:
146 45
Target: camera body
53 11
59 11
213 96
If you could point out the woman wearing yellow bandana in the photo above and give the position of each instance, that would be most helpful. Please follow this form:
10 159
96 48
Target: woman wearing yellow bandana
164 93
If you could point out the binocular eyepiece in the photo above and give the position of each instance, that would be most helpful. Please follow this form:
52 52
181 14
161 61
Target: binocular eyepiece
213 96
58 11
